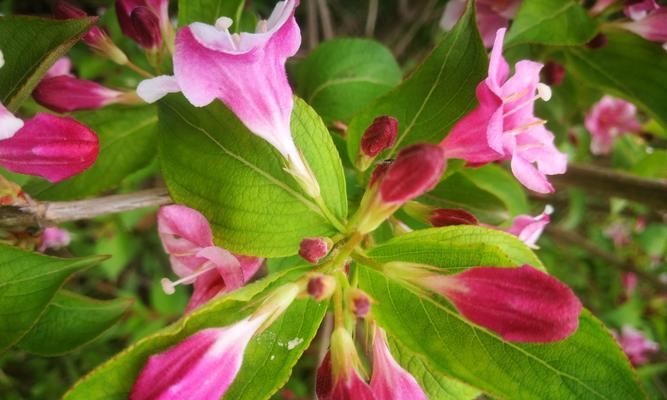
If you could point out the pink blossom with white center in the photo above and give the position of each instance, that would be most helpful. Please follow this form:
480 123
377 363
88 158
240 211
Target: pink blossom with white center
389 380
503 126
54 238
652 26
9 124
187 238
491 15
246 72
635 345
529 228
609 118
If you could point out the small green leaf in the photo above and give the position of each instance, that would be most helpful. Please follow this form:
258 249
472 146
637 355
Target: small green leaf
211 162
28 282
71 321
208 11
127 144
436 95
30 45
343 75
268 359
553 22
646 87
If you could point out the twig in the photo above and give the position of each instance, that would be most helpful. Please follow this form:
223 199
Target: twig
572 238
311 22
325 18
45 213
652 192
371 19
407 38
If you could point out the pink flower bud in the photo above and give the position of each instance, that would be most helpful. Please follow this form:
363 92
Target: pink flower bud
54 238
389 379
52 147
553 73
452 216
314 249
360 303
416 170
147 28
321 287
65 10
521 304
380 136
66 93
141 20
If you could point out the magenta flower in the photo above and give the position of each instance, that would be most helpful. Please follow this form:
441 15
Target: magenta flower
503 126
635 345
528 228
608 119
390 380
54 238
187 238
491 15
52 147
247 73
652 27
144 21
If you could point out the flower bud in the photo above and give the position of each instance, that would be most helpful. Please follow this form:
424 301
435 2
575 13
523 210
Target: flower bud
314 249
416 170
147 28
321 287
359 303
553 73
66 93
600 40
54 238
378 137
452 216
51 147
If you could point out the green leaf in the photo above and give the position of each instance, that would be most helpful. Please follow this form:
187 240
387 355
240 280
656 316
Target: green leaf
127 144
553 22
71 321
436 95
208 11
211 162
268 359
30 46
501 184
587 365
28 282
342 76
646 86
436 385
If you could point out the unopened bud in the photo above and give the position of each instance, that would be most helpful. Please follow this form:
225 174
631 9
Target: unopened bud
314 249
600 40
416 170
359 303
553 73
452 216
378 137
146 28
66 93
321 287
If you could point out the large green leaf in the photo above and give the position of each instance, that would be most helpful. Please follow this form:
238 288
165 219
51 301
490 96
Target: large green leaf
501 184
268 359
28 282
554 22
436 95
30 45
587 365
646 86
128 142
70 321
342 76
211 162
208 11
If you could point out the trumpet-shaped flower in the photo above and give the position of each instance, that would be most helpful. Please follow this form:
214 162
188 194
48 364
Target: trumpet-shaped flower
503 126
187 238
246 72
389 380
609 118
529 228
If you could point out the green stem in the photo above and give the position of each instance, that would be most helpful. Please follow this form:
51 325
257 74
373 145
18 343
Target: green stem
329 215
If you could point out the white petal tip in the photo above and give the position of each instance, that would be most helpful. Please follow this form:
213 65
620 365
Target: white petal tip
152 90
9 125
544 91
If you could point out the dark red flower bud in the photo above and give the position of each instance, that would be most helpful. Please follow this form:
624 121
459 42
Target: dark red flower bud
380 136
379 172
360 303
321 287
313 249
553 73
600 40
66 93
416 170
65 10
452 216
146 28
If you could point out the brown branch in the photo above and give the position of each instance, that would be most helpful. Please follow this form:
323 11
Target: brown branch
652 192
325 19
371 19
311 24
41 214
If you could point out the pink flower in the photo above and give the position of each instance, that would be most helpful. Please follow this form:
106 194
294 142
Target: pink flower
520 304
491 15
608 119
503 126
528 228
143 20
619 232
187 238
637 10
9 124
390 380
52 147
247 73
630 281
635 345
54 238
651 27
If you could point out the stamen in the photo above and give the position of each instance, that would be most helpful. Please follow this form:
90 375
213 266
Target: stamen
223 23
525 127
262 26
549 209
236 38
515 96
543 93
169 286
